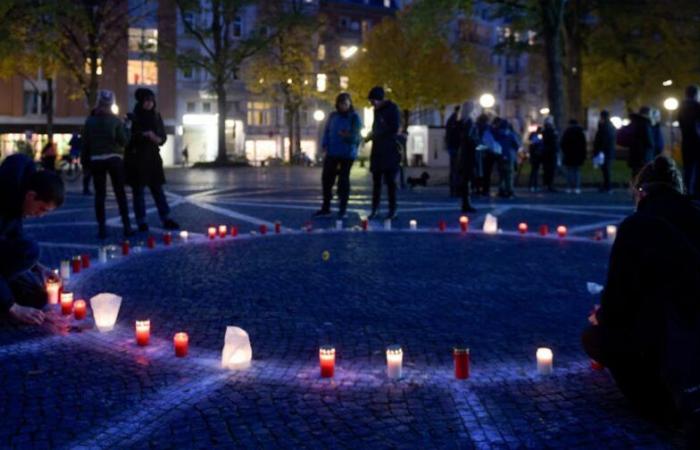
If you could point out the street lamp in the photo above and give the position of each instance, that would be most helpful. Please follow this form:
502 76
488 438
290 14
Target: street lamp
671 104
319 115
487 100
544 111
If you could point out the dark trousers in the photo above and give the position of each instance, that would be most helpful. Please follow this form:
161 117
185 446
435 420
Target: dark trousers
334 167
138 192
549 166
465 189
636 377
535 163
490 161
605 170
17 279
87 177
115 168
454 173
389 177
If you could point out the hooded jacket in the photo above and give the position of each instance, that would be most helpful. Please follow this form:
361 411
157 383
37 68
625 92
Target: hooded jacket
341 135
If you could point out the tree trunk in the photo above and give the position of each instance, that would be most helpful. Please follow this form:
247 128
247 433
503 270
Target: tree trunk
406 118
552 15
49 108
290 131
574 63
221 155
297 133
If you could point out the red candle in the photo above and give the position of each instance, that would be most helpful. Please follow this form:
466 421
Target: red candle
151 242
66 303
364 223
598 236
326 357
212 232
309 227
143 332
561 231
461 362
85 259
522 228
442 225
181 342
544 230
464 223
278 227
263 229
79 309
125 248
222 231
234 231
167 238
595 365
77 264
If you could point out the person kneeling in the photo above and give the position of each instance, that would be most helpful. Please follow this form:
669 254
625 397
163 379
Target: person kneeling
24 192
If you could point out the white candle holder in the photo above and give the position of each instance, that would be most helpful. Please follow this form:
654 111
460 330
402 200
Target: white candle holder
490 224
184 235
394 362
105 309
611 232
237 352
413 225
545 361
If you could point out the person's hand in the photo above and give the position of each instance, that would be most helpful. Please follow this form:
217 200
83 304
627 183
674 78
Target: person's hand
593 317
26 314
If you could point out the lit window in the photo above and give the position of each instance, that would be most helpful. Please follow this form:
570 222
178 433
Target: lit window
344 82
259 113
142 72
348 51
99 66
387 3
143 40
321 82
321 52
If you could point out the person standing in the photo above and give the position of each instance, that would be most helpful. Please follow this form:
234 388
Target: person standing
536 149
76 150
550 153
386 155
105 137
466 156
604 143
341 139
689 123
641 149
489 150
573 149
142 161
48 157
510 143
656 132
452 142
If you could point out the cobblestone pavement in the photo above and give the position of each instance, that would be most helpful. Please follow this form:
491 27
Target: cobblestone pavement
65 385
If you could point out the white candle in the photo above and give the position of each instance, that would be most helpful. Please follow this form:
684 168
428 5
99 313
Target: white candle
387 224
545 359
102 254
65 270
394 362
338 224
611 231
490 224
184 235
52 288
413 224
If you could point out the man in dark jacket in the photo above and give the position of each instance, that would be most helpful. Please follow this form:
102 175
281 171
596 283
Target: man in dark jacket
573 149
550 153
653 276
689 123
604 142
386 156
466 157
452 142
641 150
24 192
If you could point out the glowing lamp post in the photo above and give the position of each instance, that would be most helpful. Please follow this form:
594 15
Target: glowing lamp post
326 355
143 332
394 362
237 352
671 104
545 360
66 303
487 100
105 309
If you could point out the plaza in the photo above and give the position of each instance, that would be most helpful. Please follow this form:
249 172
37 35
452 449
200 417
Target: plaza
503 295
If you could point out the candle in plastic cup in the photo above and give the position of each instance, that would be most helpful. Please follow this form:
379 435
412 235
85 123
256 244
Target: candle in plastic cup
545 361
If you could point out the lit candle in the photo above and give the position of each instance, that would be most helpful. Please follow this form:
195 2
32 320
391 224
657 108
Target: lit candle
387 224
184 235
167 238
490 224
65 269
522 228
545 358
561 231
125 248
234 231
263 229
464 223
143 332
326 356
442 225
76 264
66 303
544 230
53 285
338 224
394 361
181 343
413 224
212 232
85 260
79 309
102 254
151 242
105 309
460 356
223 231
598 236
595 365
278 227
364 223
611 231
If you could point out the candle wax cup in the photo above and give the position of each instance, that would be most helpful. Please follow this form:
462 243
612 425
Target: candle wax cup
461 363
181 343
85 259
79 309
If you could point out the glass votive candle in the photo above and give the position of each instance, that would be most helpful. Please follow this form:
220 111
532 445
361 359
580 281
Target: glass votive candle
66 303
53 286
442 225
561 231
151 242
394 362
234 231
545 360
181 344
278 227
184 235
611 232
143 332
76 264
85 260
522 228
464 223
326 356
79 309
544 230
65 269
460 355
263 229
211 231
413 224
223 231
125 248
167 238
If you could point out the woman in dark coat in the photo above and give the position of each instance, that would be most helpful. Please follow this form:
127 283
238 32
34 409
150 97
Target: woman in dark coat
642 140
144 166
573 149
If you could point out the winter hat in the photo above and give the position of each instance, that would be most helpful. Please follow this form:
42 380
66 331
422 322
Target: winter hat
376 93
143 94
105 98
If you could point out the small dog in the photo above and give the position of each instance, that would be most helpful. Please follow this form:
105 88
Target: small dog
420 181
